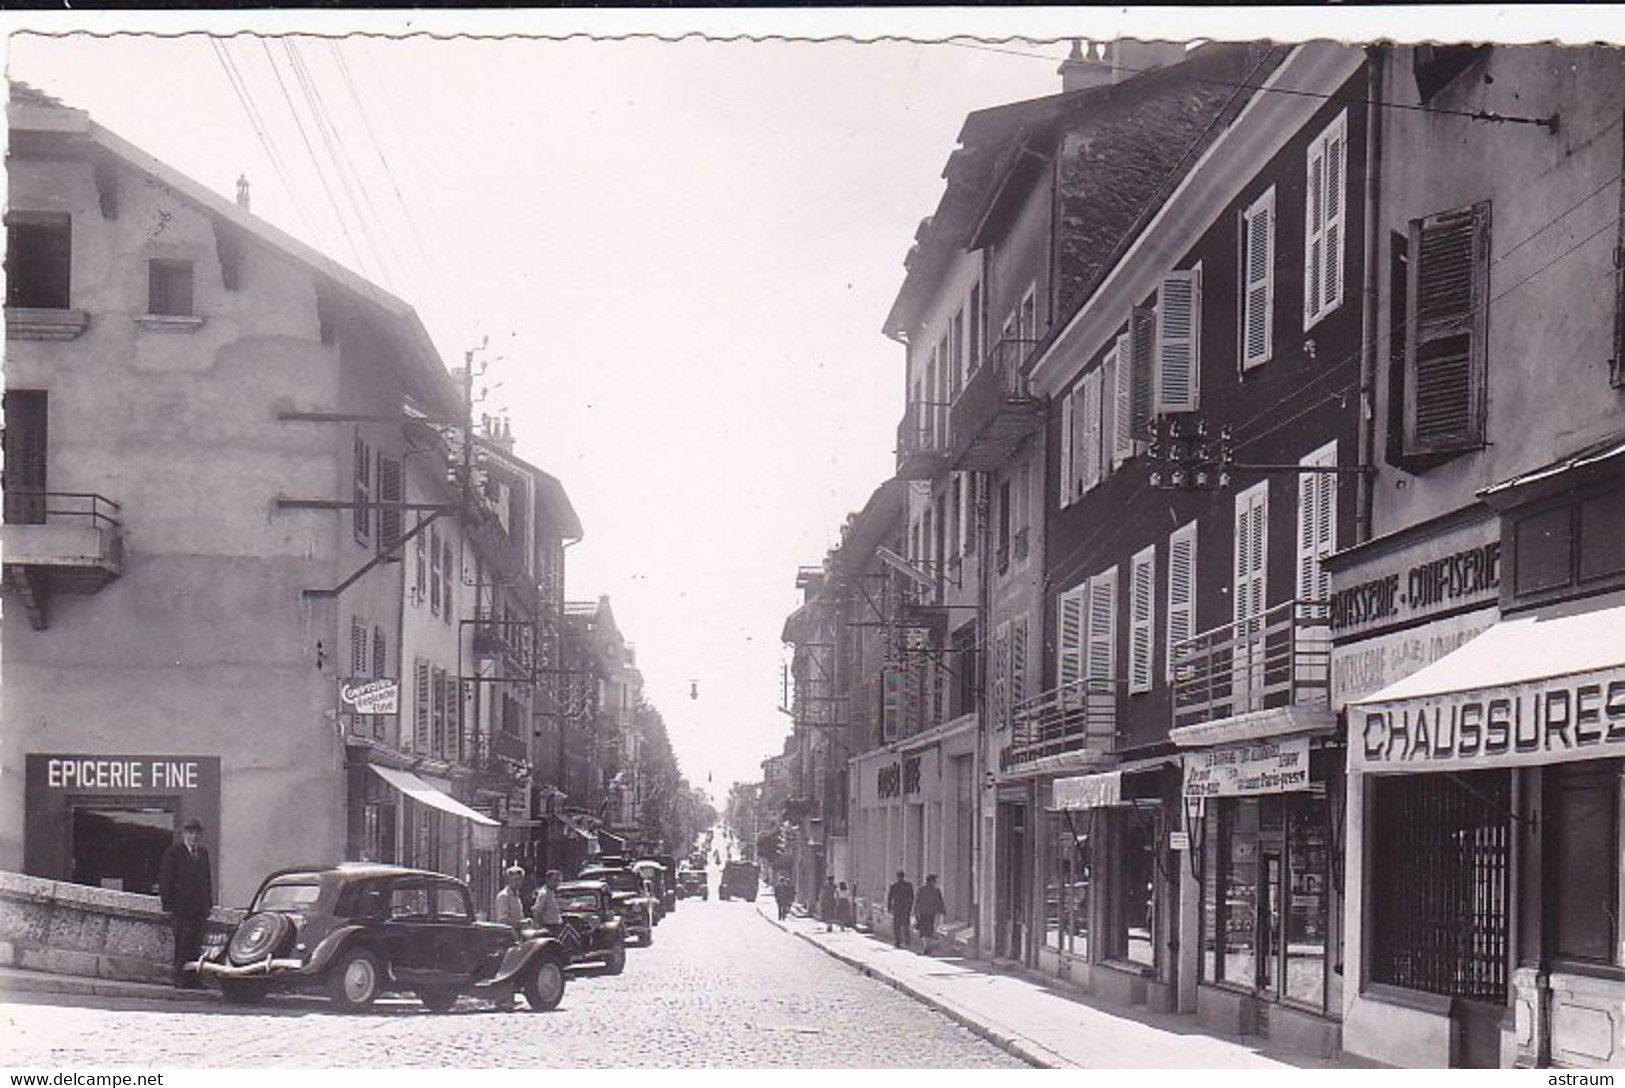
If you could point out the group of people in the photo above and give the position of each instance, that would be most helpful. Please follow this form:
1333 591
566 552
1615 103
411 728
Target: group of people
542 912
835 907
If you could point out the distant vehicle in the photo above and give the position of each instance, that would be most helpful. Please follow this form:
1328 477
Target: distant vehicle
630 897
740 880
692 882
593 931
663 878
357 931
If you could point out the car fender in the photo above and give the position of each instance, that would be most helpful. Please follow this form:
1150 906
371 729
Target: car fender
615 927
335 942
520 956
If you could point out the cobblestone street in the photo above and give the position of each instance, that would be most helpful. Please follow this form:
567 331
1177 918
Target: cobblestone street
721 986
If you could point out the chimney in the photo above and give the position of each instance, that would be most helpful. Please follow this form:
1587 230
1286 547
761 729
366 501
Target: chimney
242 191
1128 57
1083 69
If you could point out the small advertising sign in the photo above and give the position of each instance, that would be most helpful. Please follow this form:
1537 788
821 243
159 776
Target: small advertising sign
1249 769
371 695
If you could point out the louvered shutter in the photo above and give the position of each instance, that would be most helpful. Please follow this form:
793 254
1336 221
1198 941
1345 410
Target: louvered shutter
1181 587
1102 638
1069 639
447 573
1179 321
1018 660
434 571
1123 432
1252 520
389 490
420 704
892 696
1317 525
1142 602
1142 350
1067 489
1444 341
358 648
998 686
437 713
363 490
1258 276
1090 475
1325 216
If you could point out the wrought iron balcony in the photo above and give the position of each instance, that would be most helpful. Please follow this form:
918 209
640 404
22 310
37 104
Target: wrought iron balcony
1071 717
513 641
59 542
922 441
1277 659
996 410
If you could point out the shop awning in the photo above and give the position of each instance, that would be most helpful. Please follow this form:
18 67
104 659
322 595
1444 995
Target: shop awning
1105 789
423 793
574 825
1542 686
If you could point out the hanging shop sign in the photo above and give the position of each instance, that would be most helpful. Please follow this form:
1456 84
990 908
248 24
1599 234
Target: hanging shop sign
1248 770
1368 665
1579 716
371 695
1446 573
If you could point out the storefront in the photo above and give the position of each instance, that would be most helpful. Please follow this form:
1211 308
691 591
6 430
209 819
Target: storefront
106 820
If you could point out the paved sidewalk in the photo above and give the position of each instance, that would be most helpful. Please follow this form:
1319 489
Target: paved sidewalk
1041 1024
16 980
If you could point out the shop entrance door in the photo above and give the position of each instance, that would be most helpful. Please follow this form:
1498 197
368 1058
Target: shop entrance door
1012 899
1269 929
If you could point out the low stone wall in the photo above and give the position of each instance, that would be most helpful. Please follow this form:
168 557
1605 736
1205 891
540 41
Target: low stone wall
73 929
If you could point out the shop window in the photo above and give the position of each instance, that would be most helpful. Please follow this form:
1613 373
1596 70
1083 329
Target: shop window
169 288
39 258
1134 922
121 846
1308 874
1582 820
1066 884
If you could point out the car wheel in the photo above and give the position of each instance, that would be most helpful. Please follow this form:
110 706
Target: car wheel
615 962
354 979
544 987
438 998
238 991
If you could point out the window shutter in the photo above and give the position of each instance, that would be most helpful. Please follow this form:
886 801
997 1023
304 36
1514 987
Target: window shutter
1090 476
1445 339
389 490
1317 525
1181 587
999 689
358 648
1142 602
363 489
380 653
1252 520
1108 415
1123 432
1067 489
1102 639
1018 660
1080 437
1142 350
420 704
447 572
434 571
1258 276
1069 640
892 695
1179 329
1335 214
422 578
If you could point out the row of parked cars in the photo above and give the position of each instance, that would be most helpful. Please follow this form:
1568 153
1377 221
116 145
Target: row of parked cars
357 931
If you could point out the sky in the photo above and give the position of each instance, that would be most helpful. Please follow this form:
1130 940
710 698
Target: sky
681 254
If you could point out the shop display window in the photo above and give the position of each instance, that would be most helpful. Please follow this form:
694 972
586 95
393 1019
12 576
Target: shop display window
1582 822
121 845
1136 902
1067 875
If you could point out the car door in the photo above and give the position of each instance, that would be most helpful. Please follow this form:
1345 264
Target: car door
409 931
460 945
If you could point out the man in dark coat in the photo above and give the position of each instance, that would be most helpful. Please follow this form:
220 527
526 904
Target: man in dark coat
186 888
784 894
928 907
900 902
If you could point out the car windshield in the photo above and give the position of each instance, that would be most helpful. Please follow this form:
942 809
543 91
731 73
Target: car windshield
288 896
585 899
620 880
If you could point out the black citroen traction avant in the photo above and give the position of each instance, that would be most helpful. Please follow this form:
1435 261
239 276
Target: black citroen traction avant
357 931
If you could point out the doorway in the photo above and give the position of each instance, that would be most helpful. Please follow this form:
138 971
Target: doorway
1012 866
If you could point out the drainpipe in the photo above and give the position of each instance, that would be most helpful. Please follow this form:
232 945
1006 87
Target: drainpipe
979 768
1365 485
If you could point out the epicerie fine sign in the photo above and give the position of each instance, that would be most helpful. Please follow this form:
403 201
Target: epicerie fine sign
83 773
1544 721
1248 770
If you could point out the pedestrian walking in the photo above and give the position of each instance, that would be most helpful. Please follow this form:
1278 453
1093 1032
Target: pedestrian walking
928 907
510 905
900 902
186 890
826 904
845 914
784 894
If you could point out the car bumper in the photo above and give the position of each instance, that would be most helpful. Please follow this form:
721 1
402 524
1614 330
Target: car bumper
262 969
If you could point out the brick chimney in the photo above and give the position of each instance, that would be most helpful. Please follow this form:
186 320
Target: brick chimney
1085 68
242 191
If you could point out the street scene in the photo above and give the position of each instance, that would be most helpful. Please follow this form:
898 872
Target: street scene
1058 540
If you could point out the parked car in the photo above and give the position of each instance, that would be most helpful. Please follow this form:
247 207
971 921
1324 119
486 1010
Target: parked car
593 931
691 882
662 881
354 932
740 880
630 898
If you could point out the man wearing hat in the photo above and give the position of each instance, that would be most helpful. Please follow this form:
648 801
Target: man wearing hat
510 908
186 889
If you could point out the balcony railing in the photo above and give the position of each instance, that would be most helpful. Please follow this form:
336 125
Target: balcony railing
59 542
1277 659
1068 718
922 440
996 410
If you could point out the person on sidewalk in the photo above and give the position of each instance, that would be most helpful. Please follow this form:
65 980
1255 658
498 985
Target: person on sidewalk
510 904
826 904
784 894
186 889
900 902
545 912
927 909
845 913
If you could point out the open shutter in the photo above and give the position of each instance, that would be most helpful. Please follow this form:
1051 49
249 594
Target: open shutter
1317 525
1179 320
1108 415
1018 660
998 685
1123 432
1102 640
1444 341
420 705
1258 276
1142 601
1181 587
1067 490
1090 474
389 490
1069 638
362 490
1252 519
1142 333
1335 212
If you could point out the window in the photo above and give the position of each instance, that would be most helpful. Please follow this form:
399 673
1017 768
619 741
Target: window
1134 906
998 688
1100 663
421 576
948 353
1027 319
1324 221
39 260
26 414
169 288
1002 553
1021 533
362 491
447 572
973 339
1448 296
1181 588
1066 879
437 714
120 843
956 517
1129 378
964 644
1142 605
409 903
1251 596
452 905
1582 825
389 490
1179 334
1317 524
435 581
1068 489
1069 644
1258 280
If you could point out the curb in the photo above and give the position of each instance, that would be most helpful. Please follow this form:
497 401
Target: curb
19 981
1018 1046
